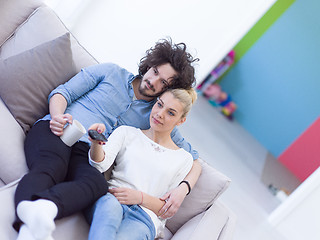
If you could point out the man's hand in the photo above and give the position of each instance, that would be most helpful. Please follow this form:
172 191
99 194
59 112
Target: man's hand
127 196
174 199
58 122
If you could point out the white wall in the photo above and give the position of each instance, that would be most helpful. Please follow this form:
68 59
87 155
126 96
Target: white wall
299 216
120 31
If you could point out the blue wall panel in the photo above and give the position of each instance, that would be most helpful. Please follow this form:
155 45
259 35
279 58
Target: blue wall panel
276 84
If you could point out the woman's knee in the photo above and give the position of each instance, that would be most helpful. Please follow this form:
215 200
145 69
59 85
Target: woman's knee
100 208
108 204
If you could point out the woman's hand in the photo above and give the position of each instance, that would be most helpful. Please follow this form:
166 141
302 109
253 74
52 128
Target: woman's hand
58 122
100 128
96 151
127 196
130 196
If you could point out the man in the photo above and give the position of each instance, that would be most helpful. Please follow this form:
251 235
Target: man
60 181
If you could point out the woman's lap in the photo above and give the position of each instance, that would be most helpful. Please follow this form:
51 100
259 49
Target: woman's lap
117 221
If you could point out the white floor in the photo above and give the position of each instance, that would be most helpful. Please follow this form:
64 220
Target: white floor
225 145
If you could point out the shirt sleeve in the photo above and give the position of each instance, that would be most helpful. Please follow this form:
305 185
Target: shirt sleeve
111 149
182 143
86 80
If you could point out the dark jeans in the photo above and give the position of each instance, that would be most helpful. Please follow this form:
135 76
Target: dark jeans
58 173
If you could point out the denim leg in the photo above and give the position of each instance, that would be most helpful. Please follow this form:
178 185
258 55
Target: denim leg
107 218
136 224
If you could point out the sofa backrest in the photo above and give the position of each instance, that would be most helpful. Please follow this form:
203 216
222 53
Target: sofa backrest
13 13
41 26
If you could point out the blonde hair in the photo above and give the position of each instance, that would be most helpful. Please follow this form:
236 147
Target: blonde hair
186 96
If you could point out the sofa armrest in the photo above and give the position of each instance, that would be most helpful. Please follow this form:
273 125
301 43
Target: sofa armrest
210 185
228 230
217 223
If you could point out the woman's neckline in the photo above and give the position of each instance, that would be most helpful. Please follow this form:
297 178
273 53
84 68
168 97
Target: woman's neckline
157 144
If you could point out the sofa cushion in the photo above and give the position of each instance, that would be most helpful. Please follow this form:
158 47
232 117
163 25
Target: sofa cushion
27 79
41 26
13 13
210 185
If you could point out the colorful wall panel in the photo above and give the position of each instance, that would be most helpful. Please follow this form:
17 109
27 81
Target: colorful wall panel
275 83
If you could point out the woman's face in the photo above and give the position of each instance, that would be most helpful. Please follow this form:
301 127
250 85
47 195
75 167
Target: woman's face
166 113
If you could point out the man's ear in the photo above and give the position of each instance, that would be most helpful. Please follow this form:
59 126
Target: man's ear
182 120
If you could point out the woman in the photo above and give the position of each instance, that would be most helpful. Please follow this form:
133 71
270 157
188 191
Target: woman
147 165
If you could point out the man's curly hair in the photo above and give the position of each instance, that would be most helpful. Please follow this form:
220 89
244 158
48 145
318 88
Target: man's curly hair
166 52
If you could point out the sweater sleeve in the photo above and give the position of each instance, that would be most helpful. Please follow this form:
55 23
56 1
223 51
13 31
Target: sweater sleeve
111 149
183 171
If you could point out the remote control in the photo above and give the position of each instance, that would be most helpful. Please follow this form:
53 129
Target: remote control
97 136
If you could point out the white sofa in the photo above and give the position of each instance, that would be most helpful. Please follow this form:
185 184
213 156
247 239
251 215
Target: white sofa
28 28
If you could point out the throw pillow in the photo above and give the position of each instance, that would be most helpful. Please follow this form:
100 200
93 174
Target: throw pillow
27 79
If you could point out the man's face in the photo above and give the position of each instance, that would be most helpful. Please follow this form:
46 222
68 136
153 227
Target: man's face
156 80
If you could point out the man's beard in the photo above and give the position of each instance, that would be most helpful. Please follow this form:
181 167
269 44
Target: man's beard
143 90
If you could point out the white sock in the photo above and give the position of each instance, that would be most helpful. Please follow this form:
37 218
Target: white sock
25 234
38 216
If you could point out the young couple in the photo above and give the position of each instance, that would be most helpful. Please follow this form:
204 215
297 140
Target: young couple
61 182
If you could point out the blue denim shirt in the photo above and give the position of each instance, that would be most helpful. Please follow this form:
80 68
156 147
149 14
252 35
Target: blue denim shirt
103 93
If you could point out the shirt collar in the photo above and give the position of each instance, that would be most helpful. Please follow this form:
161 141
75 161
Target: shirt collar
134 77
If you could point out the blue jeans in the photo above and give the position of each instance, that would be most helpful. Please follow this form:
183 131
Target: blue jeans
111 220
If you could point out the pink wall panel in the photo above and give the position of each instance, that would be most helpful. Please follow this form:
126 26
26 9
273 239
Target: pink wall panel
302 157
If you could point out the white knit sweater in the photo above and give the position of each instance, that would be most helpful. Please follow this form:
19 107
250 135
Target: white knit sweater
144 165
